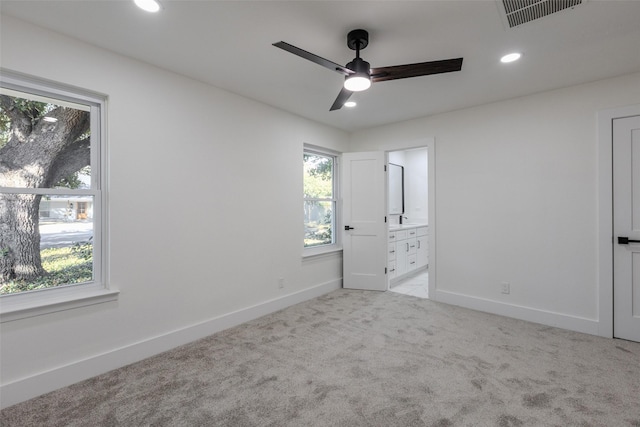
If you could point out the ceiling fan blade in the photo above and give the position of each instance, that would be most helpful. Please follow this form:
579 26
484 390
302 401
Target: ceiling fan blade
314 58
341 99
414 70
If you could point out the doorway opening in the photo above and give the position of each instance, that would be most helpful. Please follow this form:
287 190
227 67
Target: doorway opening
408 221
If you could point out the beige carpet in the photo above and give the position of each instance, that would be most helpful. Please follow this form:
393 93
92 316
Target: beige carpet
355 358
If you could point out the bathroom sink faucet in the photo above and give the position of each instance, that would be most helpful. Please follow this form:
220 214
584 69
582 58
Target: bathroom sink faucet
401 218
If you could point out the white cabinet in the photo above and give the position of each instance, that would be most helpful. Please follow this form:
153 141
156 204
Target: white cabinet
422 249
407 251
401 252
391 258
411 247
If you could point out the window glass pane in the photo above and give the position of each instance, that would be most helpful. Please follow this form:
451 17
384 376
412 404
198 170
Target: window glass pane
47 197
59 253
44 143
318 176
318 223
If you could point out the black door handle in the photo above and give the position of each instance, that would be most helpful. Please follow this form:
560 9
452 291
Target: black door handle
626 241
347 228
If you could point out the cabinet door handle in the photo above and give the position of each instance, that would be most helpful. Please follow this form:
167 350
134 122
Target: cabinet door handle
347 228
392 252
418 244
407 247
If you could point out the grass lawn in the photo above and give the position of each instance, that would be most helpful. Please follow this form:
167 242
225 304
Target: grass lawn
64 266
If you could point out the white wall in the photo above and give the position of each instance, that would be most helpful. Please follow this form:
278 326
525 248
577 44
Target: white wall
416 186
233 169
516 200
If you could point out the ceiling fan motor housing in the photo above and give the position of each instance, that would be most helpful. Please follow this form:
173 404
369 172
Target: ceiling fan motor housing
357 39
360 66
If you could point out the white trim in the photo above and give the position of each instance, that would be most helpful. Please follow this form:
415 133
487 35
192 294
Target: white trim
321 251
51 300
605 214
45 99
44 382
544 317
19 81
431 184
50 191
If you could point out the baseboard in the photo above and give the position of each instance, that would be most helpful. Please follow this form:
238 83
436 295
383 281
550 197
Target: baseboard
548 318
41 383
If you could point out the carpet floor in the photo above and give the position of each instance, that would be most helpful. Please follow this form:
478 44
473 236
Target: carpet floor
353 358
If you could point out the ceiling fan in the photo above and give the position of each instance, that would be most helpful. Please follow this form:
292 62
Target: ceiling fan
358 73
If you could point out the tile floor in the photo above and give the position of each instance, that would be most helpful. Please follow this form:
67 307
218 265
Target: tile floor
417 286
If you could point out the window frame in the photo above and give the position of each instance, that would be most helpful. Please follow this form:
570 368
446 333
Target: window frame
42 301
337 217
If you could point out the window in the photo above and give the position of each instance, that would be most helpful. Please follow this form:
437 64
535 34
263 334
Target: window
51 198
320 200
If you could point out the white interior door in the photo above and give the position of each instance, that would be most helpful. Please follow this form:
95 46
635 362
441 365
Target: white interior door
626 228
363 212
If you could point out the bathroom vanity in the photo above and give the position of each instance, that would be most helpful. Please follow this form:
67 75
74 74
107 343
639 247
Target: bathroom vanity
407 250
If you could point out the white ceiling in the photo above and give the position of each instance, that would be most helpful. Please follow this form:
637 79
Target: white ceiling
228 44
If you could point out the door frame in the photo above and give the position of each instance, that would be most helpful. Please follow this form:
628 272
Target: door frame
430 145
605 214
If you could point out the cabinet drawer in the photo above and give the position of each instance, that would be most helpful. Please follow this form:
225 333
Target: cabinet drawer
392 236
392 269
411 233
422 231
412 245
412 264
391 252
401 234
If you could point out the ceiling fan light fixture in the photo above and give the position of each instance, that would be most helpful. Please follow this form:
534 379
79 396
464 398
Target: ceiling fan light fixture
361 79
357 83
148 5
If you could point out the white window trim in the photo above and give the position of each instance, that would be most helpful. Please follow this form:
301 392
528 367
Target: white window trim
35 303
336 246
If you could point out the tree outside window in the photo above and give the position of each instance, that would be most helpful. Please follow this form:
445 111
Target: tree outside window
49 194
319 199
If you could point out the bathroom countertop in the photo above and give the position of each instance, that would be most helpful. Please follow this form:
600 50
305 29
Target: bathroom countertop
395 227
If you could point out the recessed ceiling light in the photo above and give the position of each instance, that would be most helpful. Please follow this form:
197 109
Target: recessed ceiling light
350 104
511 57
148 5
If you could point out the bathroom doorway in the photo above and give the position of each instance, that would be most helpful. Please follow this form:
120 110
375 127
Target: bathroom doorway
408 227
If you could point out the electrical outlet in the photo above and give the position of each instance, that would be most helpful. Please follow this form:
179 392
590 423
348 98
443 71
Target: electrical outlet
280 283
505 288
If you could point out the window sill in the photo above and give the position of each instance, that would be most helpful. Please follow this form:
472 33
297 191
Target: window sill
22 306
321 252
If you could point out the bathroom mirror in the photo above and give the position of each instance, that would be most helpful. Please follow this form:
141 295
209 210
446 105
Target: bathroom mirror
396 189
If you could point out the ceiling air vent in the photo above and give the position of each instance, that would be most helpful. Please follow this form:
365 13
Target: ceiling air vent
520 12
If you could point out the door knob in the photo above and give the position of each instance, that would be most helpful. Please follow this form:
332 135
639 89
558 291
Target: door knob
626 241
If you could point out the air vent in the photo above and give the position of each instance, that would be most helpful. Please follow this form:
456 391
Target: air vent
520 12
